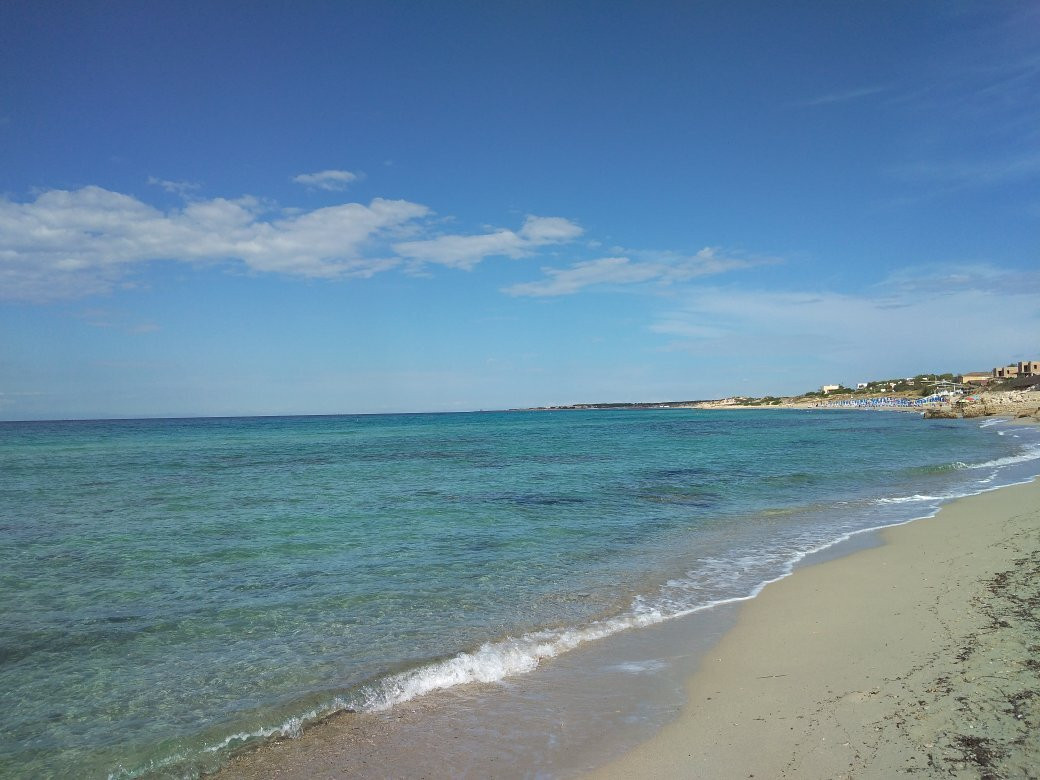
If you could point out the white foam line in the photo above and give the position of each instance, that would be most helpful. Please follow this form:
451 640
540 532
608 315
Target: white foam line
291 728
909 499
798 557
1032 453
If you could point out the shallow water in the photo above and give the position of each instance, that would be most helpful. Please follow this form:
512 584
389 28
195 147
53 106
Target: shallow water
175 588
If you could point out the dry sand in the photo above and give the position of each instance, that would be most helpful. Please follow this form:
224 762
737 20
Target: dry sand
918 657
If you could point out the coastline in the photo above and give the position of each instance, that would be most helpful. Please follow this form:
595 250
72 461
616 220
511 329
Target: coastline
916 656
1014 404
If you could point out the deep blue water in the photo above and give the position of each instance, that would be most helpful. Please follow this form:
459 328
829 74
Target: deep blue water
173 588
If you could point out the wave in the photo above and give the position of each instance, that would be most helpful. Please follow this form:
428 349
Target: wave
291 728
1030 453
495 661
940 468
908 499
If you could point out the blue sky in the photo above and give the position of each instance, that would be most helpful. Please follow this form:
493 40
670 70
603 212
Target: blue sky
265 208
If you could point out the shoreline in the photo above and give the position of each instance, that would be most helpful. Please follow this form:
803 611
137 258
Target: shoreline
1012 404
915 656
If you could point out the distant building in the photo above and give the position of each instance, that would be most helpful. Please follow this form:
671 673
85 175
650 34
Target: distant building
1029 368
975 378
1005 372
829 388
861 385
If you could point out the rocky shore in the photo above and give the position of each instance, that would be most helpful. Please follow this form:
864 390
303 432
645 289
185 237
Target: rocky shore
1019 404
1001 403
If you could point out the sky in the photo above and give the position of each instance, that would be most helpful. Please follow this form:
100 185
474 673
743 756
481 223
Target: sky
241 208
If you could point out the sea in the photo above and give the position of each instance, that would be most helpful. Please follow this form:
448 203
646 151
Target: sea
174 592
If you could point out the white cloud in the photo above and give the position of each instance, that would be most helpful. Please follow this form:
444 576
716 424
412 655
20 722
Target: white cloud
460 251
331 180
548 230
843 96
664 268
81 242
564 281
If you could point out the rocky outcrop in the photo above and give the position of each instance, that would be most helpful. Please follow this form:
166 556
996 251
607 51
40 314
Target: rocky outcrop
940 414
976 410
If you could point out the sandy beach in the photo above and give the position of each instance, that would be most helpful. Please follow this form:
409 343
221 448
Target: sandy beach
916 657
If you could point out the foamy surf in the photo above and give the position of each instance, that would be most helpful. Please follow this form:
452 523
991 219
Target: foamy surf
1030 453
909 499
496 661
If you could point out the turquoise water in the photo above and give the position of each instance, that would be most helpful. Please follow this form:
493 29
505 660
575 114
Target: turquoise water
173 589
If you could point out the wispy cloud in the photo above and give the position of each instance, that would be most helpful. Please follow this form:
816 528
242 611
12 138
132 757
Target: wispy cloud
938 280
971 173
107 318
622 270
331 180
990 96
16 398
920 319
466 251
182 188
844 96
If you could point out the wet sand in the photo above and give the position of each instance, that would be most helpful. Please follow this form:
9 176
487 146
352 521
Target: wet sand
569 715
921 656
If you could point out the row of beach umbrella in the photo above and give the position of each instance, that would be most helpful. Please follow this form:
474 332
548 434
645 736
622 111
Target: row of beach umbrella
890 401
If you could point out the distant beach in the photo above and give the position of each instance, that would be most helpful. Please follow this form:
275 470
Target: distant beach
977 402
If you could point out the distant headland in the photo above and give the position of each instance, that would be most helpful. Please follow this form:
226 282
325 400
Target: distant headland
1008 390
